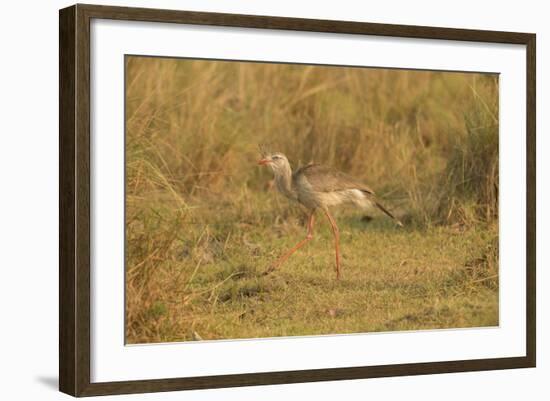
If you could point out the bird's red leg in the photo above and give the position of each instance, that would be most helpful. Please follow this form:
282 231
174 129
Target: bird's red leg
300 244
336 242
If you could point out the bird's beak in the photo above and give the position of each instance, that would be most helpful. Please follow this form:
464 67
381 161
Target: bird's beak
263 162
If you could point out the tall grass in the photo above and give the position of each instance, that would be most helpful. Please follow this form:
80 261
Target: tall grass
471 186
426 142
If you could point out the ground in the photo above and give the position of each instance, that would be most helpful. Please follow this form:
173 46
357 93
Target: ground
210 283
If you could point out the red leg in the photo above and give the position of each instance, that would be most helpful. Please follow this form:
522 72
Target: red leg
336 242
300 244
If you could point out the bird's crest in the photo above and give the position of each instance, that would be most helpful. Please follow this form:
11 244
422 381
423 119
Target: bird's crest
262 149
265 150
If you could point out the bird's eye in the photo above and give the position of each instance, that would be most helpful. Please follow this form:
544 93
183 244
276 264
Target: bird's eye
276 157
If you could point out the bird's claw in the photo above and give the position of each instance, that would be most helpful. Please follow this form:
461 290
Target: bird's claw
269 270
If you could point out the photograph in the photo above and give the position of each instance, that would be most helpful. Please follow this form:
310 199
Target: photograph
267 199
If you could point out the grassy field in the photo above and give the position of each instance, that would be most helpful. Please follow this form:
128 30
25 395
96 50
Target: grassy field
203 221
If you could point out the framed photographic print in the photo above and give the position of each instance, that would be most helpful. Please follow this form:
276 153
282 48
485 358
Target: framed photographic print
250 200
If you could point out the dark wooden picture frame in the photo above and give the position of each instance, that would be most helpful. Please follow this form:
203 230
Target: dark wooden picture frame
74 200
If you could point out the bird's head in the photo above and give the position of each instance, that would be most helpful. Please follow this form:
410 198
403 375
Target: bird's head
277 161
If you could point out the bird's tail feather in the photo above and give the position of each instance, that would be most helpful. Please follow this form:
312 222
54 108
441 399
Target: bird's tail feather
382 208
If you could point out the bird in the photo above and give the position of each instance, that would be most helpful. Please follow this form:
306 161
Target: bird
318 187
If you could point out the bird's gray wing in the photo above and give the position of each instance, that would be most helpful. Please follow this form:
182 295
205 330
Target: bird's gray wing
326 179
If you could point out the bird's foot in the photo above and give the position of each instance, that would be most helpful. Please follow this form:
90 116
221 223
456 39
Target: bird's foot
269 270
338 270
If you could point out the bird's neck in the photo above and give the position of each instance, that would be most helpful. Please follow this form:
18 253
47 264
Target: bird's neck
283 180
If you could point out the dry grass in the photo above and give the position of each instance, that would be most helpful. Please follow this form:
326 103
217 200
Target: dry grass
203 223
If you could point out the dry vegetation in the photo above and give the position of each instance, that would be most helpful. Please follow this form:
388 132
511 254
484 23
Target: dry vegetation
202 222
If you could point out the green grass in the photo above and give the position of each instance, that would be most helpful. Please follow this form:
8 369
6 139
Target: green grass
203 221
210 279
